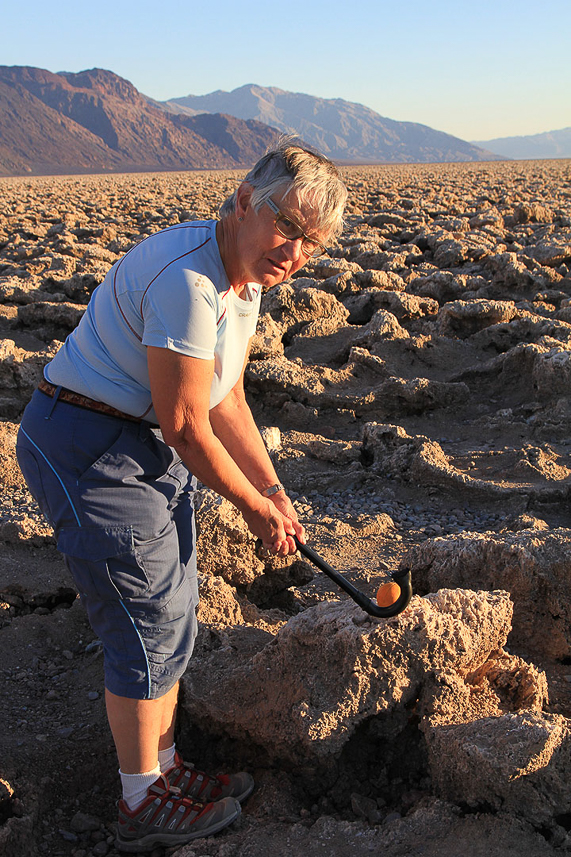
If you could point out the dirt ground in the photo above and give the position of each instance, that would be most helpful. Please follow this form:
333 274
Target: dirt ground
457 275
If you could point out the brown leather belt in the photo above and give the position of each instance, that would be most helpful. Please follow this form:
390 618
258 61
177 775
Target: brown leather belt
84 402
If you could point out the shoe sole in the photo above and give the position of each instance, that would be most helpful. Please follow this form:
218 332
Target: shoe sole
167 840
246 793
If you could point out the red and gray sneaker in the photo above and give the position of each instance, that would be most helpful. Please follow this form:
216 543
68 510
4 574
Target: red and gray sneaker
167 818
200 786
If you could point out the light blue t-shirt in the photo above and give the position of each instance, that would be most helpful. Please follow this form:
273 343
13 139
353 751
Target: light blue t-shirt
169 291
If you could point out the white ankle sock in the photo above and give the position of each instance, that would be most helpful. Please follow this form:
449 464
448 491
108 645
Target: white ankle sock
166 758
135 786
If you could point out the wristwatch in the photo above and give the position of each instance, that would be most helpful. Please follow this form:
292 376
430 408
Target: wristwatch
273 489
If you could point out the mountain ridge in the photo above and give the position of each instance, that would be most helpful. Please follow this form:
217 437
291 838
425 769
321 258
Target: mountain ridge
343 130
548 144
94 121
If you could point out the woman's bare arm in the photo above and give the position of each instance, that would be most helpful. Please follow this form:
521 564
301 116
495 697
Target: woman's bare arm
180 388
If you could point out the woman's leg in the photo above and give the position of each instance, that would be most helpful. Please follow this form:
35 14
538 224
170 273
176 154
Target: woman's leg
166 739
140 728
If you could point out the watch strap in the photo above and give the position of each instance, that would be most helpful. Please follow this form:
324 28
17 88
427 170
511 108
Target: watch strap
273 489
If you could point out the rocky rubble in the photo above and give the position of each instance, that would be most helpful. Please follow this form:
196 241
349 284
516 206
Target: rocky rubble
517 763
413 390
285 698
533 566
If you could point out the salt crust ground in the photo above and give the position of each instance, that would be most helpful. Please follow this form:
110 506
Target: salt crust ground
415 388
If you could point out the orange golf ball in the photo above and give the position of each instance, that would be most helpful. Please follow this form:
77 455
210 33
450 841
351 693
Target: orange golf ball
387 594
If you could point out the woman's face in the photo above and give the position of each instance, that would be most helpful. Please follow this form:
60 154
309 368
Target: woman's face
265 256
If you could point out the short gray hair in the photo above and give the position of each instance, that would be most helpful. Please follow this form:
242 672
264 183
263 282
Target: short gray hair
297 167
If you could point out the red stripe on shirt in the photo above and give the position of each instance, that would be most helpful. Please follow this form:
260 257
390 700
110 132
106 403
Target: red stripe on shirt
222 296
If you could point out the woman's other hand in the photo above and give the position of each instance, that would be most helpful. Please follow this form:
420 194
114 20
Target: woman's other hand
273 527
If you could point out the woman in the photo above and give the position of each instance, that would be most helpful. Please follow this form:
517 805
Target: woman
163 343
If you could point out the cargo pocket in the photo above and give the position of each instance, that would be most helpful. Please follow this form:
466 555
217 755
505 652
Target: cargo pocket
104 562
169 635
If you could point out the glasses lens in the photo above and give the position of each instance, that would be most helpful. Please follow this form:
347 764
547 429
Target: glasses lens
312 248
288 228
292 231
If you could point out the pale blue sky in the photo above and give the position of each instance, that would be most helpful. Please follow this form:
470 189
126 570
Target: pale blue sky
477 70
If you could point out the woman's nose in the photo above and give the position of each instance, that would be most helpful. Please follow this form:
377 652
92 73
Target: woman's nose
292 247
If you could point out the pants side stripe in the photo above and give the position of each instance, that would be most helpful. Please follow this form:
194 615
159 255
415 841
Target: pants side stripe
142 646
56 474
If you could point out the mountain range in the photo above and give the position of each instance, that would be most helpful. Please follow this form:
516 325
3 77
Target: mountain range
343 130
551 144
96 121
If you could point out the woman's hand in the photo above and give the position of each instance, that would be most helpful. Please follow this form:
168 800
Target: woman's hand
273 527
282 502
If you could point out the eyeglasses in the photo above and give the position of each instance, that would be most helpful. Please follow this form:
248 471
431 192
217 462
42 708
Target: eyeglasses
289 229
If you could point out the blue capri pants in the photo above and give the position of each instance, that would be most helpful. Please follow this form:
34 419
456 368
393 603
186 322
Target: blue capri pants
120 502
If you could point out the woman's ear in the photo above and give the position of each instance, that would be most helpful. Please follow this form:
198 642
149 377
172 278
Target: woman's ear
243 197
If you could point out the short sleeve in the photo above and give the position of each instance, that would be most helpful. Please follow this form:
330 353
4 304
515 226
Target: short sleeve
180 313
